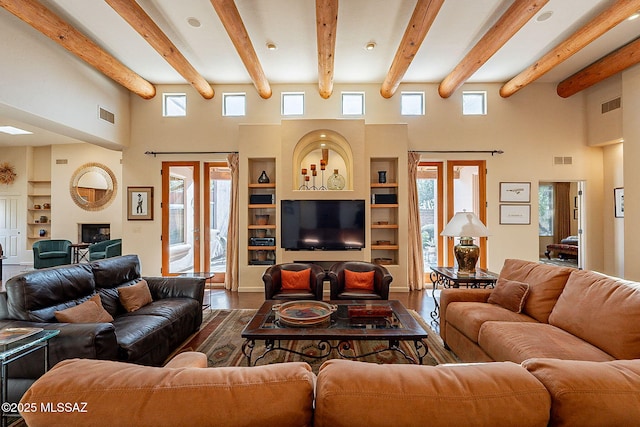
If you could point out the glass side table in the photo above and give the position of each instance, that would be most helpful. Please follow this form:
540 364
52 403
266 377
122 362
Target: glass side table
14 348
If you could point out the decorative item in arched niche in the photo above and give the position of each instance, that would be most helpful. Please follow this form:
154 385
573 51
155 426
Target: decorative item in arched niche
322 144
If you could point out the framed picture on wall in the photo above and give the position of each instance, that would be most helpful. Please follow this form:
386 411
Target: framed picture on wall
618 196
515 214
139 203
515 192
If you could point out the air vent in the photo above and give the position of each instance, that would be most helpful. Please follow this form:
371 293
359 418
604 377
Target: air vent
106 115
614 104
61 161
562 160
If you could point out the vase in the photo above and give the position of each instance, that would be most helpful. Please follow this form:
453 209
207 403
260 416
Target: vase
382 177
335 181
263 179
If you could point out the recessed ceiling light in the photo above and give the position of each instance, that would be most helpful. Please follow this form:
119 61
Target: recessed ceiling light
634 16
322 135
370 46
323 145
272 46
544 16
14 131
194 22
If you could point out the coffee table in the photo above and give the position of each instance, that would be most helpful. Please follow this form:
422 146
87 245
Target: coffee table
337 333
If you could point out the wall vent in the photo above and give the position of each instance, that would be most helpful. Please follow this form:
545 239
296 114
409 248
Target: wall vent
61 161
614 104
559 160
106 115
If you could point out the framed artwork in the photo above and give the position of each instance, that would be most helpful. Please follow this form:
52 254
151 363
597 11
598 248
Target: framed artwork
618 196
515 192
515 214
139 203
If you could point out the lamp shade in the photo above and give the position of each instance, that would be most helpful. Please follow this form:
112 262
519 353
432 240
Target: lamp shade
465 224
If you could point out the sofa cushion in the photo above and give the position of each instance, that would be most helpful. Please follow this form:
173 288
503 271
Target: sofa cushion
590 393
90 311
296 280
135 296
118 394
468 317
509 294
142 338
518 341
545 284
602 310
352 393
358 280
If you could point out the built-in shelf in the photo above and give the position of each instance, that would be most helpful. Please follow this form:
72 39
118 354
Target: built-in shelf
387 213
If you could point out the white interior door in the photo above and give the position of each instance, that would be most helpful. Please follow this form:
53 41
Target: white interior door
9 232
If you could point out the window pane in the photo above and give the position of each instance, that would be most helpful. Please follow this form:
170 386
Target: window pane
234 104
428 205
412 104
220 196
174 105
474 103
545 209
176 211
353 104
292 104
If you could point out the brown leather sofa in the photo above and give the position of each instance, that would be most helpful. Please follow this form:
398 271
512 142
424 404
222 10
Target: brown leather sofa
540 392
568 314
146 336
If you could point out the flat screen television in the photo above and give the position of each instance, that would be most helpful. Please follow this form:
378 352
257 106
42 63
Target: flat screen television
329 225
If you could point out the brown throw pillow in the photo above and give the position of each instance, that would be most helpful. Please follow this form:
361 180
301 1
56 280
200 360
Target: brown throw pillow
295 280
90 311
358 280
135 296
509 294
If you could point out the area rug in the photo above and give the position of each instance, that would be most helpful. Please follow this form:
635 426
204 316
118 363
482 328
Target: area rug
220 339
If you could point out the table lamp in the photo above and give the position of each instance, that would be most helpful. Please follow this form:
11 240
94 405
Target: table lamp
466 226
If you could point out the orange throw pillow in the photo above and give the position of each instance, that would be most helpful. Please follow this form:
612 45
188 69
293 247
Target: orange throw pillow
295 280
135 296
90 311
358 280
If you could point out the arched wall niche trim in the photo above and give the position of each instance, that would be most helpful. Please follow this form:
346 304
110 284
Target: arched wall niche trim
335 143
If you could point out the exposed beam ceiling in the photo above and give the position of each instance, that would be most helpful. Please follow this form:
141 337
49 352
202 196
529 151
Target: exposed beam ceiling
508 25
423 16
605 21
230 17
326 29
49 24
131 12
605 67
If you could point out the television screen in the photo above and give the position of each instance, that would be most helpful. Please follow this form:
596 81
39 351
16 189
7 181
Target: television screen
331 225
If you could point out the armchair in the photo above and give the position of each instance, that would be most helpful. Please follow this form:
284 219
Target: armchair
50 253
339 289
272 279
105 249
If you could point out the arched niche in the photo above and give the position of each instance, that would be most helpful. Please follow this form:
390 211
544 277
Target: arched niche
309 150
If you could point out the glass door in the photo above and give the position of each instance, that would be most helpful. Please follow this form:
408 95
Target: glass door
430 202
217 203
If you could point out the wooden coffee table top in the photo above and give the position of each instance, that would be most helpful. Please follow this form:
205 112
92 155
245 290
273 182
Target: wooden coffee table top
401 326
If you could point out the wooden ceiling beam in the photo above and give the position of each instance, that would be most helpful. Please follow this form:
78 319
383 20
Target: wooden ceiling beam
52 26
609 18
423 16
131 12
520 12
232 22
326 28
613 63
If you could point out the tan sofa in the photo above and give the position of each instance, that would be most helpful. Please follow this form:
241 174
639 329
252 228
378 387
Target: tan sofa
568 314
539 392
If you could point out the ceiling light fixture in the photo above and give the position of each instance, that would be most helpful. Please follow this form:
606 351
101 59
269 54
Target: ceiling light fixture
272 46
370 46
634 16
544 16
14 130
194 22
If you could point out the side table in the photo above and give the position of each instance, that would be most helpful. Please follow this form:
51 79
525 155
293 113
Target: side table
10 351
448 277
79 252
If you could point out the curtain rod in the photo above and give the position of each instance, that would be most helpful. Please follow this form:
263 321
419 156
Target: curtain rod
155 153
492 152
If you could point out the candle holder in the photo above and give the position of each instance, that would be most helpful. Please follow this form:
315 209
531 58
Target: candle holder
323 166
314 172
305 178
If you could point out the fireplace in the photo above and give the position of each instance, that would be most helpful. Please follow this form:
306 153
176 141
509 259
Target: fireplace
92 233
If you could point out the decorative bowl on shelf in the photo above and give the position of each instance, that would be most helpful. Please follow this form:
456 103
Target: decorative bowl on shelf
262 219
383 261
383 242
383 222
46 206
37 207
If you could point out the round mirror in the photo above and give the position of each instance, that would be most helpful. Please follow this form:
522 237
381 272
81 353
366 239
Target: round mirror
93 186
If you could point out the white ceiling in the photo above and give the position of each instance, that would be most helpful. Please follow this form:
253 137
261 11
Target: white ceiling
291 25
